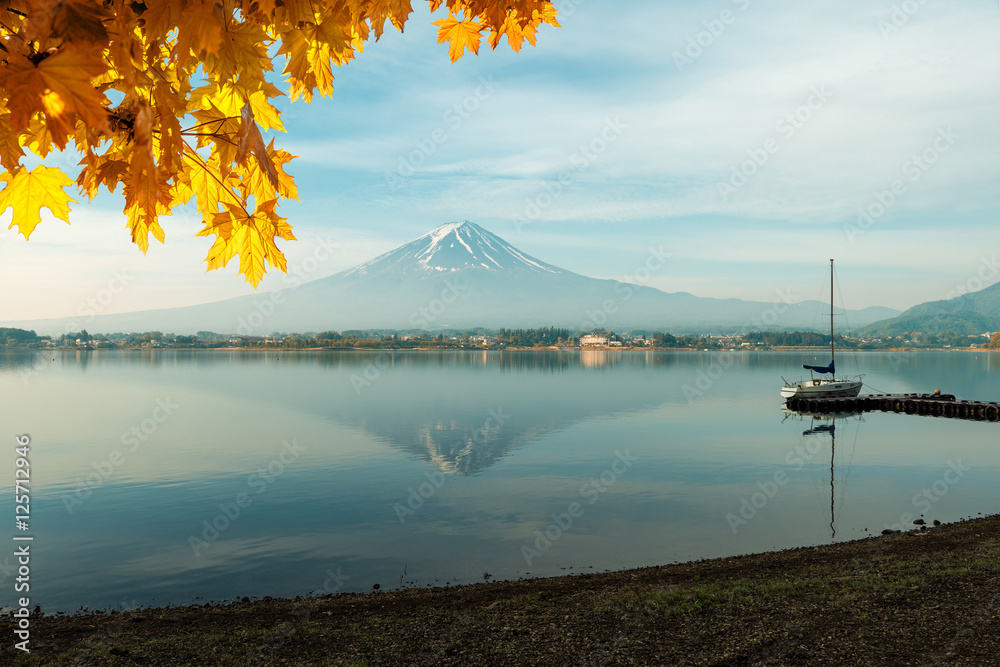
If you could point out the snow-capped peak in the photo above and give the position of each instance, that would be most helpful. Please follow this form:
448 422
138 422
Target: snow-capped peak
455 246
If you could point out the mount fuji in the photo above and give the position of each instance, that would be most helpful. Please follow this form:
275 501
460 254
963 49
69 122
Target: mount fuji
462 276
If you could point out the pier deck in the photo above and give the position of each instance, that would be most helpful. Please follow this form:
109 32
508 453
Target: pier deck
932 405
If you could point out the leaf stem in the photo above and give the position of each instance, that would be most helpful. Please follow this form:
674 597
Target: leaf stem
200 162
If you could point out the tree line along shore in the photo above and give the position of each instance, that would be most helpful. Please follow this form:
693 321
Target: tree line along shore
541 338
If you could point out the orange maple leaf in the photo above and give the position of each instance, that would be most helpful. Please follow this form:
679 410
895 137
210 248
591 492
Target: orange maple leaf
59 86
82 22
462 35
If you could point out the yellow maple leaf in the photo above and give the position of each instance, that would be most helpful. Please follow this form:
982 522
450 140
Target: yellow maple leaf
145 201
200 29
205 178
37 137
547 14
160 17
230 98
265 8
301 81
143 161
257 183
111 172
462 35
295 12
100 170
248 140
251 236
29 192
10 150
217 129
125 51
170 142
264 112
397 11
242 50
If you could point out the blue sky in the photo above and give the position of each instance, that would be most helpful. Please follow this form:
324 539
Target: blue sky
741 136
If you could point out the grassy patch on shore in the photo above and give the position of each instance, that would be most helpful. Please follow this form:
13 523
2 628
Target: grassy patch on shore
708 596
860 585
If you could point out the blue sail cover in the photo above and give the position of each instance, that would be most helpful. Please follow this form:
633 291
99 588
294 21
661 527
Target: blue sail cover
821 369
826 428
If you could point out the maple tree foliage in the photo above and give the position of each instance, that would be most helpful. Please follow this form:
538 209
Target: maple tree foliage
168 98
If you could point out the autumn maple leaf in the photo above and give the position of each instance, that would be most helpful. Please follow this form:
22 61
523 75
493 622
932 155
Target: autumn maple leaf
60 86
249 235
29 192
462 35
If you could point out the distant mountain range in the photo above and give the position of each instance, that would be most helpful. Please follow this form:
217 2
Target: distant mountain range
460 276
973 313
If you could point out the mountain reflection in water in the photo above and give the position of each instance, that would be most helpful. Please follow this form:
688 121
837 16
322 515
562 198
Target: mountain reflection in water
482 448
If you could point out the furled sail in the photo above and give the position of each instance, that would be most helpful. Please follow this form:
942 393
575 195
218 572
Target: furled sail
821 369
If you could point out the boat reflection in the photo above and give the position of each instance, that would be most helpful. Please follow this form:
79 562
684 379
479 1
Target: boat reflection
822 425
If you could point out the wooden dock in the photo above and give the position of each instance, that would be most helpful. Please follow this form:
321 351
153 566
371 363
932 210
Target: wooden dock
931 405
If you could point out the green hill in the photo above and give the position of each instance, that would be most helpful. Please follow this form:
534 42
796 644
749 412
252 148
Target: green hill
973 313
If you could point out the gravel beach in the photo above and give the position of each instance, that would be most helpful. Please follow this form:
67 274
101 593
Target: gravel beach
924 597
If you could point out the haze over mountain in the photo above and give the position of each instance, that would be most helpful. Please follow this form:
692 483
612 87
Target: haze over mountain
972 313
461 276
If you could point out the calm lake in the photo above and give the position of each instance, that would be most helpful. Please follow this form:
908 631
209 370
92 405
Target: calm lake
165 477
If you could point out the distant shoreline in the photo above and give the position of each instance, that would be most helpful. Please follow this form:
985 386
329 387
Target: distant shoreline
501 349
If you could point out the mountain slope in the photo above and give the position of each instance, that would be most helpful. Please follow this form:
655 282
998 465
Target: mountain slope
462 276
973 313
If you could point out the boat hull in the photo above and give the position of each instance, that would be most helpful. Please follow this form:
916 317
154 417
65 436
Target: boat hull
821 389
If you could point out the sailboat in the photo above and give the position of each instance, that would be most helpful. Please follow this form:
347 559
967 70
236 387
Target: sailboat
821 387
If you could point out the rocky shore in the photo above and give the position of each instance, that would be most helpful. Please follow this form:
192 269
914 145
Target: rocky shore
925 597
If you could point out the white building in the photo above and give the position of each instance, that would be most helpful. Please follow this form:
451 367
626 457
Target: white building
593 340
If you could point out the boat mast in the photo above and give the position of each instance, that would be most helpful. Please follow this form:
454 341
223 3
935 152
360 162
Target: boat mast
833 447
831 313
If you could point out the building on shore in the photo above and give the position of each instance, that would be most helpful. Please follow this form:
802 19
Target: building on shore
593 340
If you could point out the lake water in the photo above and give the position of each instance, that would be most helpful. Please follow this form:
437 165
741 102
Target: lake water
162 477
